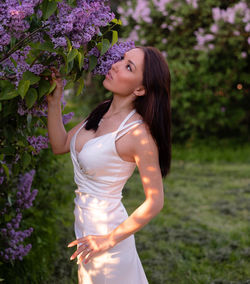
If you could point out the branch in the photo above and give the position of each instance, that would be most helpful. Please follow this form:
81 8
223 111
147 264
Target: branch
23 41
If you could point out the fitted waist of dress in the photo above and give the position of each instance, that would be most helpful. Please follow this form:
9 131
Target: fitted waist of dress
93 202
101 196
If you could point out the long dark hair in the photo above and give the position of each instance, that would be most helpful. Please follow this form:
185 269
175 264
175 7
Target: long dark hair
154 106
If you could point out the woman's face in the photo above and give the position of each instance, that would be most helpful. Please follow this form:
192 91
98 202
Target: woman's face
125 76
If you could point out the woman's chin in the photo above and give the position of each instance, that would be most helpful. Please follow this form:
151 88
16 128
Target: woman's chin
106 85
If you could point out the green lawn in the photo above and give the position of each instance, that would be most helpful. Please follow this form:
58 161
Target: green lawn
202 235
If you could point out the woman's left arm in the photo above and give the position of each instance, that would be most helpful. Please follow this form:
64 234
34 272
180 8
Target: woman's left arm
145 153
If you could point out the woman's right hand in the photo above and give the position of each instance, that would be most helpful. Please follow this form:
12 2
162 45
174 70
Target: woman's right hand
56 95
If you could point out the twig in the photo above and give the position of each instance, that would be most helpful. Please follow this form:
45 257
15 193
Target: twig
14 48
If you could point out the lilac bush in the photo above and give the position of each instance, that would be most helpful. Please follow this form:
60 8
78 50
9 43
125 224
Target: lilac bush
80 24
14 249
77 37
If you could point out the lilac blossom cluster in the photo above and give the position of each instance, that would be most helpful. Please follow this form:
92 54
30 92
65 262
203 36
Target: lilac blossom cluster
79 23
13 21
38 143
13 238
37 110
21 66
67 117
141 13
24 196
202 39
221 17
114 54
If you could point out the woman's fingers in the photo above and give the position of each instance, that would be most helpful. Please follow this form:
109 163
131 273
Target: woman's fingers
77 241
87 259
79 250
90 255
55 72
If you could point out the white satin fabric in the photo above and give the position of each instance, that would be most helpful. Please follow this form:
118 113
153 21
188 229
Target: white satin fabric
100 175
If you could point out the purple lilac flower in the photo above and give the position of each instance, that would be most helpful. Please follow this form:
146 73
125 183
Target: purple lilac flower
113 55
243 54
228 15
38 143
203 39
13 238
37 110
192 3
214 28
67 117
20 58
13 21
24 196
78 23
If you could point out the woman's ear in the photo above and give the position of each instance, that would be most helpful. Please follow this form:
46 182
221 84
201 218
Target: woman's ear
139 91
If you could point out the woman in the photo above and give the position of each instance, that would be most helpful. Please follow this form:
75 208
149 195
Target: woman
132 129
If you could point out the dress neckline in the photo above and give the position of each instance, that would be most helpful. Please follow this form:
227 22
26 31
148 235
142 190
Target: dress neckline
109 133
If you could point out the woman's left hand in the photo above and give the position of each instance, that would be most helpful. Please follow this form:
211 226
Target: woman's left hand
91 245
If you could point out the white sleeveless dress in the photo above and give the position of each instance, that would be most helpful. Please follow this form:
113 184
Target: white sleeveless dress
100 175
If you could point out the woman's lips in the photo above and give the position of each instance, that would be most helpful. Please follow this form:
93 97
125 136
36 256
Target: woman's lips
109 76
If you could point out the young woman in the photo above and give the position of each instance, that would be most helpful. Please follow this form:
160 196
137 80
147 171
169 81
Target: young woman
132 129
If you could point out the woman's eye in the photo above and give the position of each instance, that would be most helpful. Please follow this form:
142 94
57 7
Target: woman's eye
128 67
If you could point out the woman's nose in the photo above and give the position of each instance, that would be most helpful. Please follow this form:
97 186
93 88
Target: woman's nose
115 66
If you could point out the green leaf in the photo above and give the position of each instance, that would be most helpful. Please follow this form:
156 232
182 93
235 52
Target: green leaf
92 62
31 77
8 95
26 159
29 119
20 143
46 46
69 85
6 170
13 61
105 46
43 88
12 42
80 87
69 44
31 97
99 46
0 106
80 59
23 87
48 8
70 66
9 199
72 54
114 37
52 88
116 21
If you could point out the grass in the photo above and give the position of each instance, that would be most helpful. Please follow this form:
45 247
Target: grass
202 235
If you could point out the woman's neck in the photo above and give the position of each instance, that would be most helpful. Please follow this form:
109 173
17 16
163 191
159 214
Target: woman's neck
120 105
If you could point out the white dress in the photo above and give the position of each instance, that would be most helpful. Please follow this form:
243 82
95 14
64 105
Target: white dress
100 175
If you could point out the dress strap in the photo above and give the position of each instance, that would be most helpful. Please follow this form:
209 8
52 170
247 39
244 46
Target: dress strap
127 128
75 136
125 120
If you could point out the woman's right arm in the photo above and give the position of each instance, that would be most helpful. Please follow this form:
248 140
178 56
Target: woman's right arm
58 137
